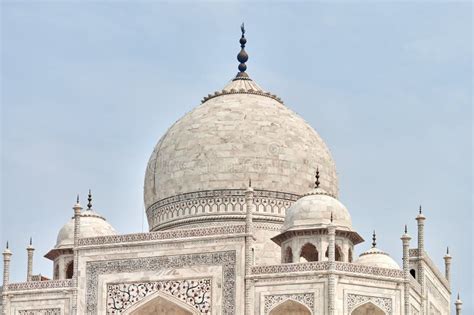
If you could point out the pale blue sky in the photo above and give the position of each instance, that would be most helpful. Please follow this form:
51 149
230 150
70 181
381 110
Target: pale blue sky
88 89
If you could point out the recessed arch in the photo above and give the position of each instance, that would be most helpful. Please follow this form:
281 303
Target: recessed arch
413 273
290 307
160 303
367 308
309 253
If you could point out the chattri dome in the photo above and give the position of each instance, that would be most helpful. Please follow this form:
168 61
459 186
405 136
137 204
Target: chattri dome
375 257
92 224
316 210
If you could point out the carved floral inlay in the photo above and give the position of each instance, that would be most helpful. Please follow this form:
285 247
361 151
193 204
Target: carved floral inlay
272 301
355 300
196 293
225 259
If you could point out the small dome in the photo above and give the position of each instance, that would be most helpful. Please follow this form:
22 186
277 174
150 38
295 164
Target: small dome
314 210
92 224
374 257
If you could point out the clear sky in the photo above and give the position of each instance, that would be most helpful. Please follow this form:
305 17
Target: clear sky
88 88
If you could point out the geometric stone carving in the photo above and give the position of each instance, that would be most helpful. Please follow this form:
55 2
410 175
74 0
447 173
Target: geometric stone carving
45 311
306 299
225 259
196 293
355 300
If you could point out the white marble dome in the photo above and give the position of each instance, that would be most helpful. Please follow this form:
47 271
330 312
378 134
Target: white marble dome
314 210
374 257
237 133
92 224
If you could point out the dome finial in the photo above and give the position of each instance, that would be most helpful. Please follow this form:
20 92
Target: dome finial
242 57
406 229
420 210
7 245
250 182
316 183
374 240
89 198
31 241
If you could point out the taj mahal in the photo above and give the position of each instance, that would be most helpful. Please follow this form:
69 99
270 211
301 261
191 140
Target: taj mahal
241 197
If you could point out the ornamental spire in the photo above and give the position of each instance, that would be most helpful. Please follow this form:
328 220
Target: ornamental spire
242 57
316 183
374 240
89 198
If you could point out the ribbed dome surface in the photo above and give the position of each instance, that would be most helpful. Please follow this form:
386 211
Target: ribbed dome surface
92 224
238 133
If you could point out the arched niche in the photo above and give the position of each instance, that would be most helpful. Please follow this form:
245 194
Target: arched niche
309 253
290 307
160 303
368 308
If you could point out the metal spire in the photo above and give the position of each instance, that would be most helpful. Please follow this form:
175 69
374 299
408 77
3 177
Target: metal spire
242 57
250 182
89 198
374 240
7 244
406 229
316 183
31 241
77 199
420 209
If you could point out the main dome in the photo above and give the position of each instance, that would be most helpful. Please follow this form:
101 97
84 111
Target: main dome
238 133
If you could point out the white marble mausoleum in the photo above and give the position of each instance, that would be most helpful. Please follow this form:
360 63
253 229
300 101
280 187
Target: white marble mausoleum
241 197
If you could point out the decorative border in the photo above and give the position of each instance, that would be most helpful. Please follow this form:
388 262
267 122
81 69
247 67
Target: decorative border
189 205
165 235
226 259
355 300
44 311
35 285
241 91
272 301
194 292
324 266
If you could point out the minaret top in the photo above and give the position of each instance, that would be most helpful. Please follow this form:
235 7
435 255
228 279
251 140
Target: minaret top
420 216
242 57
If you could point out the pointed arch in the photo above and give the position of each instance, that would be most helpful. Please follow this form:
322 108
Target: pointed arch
368 308
309 253
161 303
290 307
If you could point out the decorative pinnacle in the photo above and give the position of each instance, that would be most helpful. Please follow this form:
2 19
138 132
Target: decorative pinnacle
31 241
7 245
250 182
89 198
77 199
406 229
420 210
242 57
447 250
374 240
316 183
332 218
